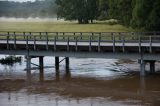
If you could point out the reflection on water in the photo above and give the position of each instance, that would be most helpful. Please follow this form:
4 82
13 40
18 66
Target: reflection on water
89 82
21 99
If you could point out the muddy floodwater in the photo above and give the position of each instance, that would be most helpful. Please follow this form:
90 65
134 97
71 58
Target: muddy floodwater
90 82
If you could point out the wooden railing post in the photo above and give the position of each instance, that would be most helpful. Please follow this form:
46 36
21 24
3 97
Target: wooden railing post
30 35
34 42
55 40
46 41
81 35
76 46
56 35
74 35
113 38
24 35
8 41
40 35
123 44
63 36
90 43
27 47
14 40
150 48
68 43
140 44
99 43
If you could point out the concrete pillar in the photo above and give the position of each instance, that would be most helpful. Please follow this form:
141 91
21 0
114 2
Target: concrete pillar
142 67
67 63
28 65
41 69
152 67
57 63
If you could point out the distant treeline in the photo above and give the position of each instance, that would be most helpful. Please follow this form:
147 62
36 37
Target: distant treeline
43 8
144 14
141 14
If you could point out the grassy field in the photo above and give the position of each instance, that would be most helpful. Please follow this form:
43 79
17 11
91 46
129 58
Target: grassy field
60 27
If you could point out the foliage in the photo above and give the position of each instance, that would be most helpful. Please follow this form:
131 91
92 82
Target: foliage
10 60
141 14
81 10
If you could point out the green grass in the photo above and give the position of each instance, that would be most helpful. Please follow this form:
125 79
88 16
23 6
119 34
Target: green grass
60 27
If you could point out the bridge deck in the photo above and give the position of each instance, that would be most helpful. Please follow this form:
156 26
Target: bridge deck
76 44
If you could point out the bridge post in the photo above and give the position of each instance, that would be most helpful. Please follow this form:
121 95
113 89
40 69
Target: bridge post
41 67
142 67
67 63
57 63
28 64
152 67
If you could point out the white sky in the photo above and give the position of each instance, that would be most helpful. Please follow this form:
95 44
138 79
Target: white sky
18 0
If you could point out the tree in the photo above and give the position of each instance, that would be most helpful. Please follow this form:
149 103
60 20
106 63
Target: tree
141 12
103 9
81 10
154 17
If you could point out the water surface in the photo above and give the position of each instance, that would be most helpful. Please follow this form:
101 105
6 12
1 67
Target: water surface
91 82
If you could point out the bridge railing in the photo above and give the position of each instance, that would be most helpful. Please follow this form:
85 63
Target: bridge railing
82 36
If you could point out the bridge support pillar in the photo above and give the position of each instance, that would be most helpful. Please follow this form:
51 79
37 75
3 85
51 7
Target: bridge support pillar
28 65
41 69
57 63
142 67
67 64
152 67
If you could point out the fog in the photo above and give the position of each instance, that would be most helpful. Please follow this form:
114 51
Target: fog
30 19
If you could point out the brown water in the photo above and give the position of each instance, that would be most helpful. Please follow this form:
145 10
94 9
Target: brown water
91 82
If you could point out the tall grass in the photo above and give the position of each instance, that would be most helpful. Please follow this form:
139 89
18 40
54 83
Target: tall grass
60 27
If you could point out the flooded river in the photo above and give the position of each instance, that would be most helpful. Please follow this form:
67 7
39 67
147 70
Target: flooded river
90 82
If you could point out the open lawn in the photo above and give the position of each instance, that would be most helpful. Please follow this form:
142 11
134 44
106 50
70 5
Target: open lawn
59 27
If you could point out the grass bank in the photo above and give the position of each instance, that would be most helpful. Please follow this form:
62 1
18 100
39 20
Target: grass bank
60 27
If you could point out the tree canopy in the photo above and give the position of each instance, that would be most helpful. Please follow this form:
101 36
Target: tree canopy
135 13
81 10
141 14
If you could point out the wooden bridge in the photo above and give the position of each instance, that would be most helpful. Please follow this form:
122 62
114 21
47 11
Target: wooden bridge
143 46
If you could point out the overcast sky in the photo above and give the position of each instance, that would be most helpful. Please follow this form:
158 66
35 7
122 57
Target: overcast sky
18 0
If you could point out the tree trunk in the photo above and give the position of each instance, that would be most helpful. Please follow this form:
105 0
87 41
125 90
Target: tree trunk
86 21
80 21
91 21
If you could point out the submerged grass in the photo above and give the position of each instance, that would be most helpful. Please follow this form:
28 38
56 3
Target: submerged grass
60 27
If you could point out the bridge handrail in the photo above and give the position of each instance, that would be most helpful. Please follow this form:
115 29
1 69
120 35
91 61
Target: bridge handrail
117 36
79 33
